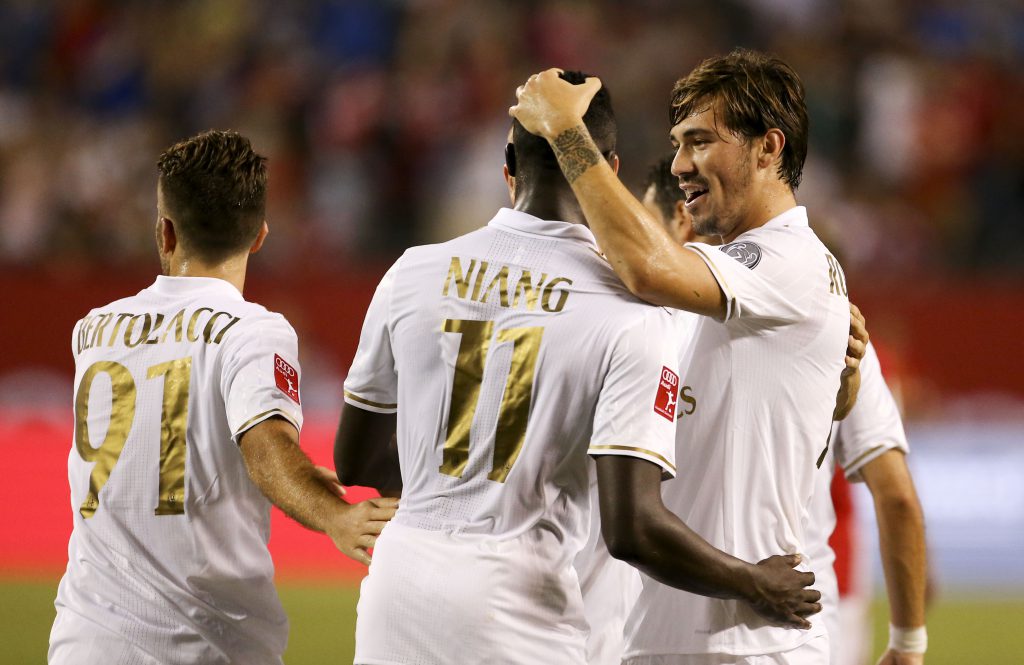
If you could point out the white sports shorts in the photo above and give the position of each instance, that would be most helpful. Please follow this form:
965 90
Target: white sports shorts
437 598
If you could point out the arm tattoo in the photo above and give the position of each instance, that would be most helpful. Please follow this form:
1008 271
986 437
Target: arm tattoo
576 152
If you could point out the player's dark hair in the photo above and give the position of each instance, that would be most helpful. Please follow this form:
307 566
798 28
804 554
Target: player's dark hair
533 154
666 186
754 92
215 187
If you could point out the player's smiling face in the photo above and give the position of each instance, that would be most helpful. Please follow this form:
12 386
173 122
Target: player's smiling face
715 168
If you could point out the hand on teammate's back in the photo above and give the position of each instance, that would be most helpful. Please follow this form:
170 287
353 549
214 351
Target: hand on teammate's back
354 527
781 594
857 345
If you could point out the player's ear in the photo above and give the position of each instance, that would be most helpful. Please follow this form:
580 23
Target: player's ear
683 222
260 237
510 182
510 159
771 145
166 236
613 161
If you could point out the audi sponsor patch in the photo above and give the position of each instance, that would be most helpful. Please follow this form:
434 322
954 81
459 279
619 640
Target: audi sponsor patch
668 393
287 378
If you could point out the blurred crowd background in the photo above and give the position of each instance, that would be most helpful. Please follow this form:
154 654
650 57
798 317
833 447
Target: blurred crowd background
384 120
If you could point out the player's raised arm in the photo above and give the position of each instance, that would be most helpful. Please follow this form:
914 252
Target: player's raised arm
651 264
286 476
640 530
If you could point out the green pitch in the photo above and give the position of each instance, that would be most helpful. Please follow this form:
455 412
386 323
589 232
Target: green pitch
961 630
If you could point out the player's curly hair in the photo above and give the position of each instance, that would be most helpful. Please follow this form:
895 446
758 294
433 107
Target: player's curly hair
754 92
215 187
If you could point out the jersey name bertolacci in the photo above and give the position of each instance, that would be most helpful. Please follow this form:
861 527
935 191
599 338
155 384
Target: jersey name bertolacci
510 354
760 388
169 542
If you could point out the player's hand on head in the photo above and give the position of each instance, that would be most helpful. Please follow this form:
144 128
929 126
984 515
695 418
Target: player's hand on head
547 105
355 527
781 594
857 344
893 657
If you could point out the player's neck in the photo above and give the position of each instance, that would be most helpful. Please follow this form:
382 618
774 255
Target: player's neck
231 270
772 203
560 206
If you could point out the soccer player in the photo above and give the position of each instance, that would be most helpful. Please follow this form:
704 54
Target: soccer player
765 366
610 587
509 355
870 446
187 418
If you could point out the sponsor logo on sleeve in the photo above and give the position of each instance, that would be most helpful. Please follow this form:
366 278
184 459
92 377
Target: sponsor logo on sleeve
747 253
287 378
666 400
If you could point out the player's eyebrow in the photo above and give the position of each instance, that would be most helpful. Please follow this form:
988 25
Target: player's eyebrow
691 133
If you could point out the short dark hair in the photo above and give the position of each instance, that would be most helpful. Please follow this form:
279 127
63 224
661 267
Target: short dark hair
215 186
755 92
666 186
534 155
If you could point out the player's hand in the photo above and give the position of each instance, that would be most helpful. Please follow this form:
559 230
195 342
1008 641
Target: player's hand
329 479
857 344
892 657
781 594
548 105
354 528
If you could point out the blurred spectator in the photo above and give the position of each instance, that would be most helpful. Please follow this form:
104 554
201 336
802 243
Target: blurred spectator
385 120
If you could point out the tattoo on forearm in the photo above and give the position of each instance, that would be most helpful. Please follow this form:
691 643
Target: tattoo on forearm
576 152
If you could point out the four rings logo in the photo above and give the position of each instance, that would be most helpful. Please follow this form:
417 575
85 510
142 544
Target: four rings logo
747 253
286 378
666 399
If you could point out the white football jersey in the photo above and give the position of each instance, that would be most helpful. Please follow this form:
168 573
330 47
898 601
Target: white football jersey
610 587
510 353
872 427
168 558
762 386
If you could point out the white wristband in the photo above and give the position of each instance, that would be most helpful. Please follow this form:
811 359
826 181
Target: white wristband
908 640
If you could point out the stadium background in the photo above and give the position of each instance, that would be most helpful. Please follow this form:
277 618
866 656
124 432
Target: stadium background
384 122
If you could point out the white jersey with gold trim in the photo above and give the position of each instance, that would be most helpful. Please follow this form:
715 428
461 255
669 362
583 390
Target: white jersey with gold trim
872 427
168 558
763 386
610 587
510 353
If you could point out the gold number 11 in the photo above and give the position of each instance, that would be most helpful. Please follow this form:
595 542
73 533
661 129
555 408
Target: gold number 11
515 402
173 421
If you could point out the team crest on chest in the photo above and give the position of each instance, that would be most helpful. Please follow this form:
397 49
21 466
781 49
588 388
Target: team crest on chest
747 253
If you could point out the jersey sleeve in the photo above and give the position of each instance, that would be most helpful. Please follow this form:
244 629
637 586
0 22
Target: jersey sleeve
873 425
260 374
750 292
636 408
372 381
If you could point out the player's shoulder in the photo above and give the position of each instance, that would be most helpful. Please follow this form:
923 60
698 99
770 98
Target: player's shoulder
256 317
624 315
